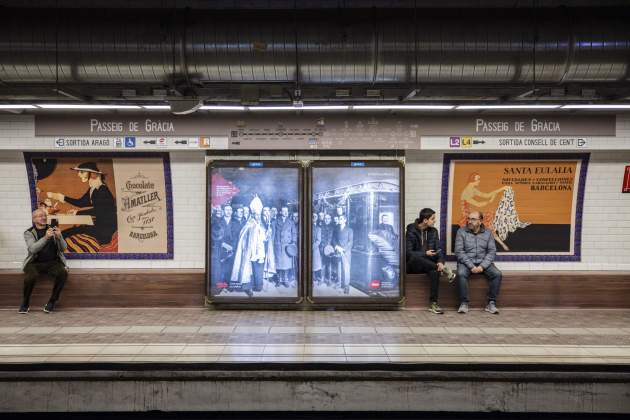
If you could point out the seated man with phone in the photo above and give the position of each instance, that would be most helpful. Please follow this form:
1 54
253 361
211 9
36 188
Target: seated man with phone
45 247
425 256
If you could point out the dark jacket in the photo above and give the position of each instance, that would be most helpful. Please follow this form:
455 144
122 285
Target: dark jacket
34 245
285 233
474 249
344 238
103 210
230 237
327 235
419 242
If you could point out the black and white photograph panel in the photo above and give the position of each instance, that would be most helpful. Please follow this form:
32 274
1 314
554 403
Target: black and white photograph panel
254 232
355 232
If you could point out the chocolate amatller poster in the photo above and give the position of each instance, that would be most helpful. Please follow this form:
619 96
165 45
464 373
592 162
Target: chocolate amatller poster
532 204
109 205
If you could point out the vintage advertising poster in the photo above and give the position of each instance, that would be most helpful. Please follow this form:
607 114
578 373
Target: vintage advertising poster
355 230
254 237
109 206
532 205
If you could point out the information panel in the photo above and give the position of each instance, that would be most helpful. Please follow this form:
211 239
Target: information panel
355 231
254 245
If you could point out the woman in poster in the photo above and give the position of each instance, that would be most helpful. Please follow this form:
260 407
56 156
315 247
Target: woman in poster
503 220
97 202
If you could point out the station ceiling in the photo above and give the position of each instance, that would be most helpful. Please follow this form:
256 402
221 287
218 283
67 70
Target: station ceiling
319 52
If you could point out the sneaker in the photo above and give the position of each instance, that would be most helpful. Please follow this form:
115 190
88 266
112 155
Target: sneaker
435 308
492 308
49 307
450 275
463 308
23 309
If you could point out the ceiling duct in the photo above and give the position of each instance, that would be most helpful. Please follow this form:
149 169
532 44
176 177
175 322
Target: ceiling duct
362 47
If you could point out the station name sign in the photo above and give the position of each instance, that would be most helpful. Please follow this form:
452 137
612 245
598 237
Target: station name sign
538 125
363 128
99 126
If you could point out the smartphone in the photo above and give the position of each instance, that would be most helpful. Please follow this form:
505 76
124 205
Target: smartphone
437 251
54 223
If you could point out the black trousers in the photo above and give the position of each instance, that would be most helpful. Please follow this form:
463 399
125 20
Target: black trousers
33 271
424 265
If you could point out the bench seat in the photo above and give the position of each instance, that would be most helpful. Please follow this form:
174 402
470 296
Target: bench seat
532 289
105 288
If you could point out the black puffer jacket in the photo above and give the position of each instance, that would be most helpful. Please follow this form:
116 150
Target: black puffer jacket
419 242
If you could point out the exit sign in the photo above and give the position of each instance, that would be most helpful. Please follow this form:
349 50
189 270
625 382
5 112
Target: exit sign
626 181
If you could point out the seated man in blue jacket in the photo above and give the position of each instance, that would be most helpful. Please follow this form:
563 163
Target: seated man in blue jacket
475 250
424 255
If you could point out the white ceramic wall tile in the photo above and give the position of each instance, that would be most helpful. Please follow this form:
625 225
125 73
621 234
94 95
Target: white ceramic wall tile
606 232
606 235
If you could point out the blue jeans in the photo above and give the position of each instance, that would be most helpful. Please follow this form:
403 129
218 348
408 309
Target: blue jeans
493 275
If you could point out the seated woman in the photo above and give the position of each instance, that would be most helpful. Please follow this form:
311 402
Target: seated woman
97 202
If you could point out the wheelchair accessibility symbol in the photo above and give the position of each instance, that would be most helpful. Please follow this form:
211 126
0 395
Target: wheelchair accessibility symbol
130 142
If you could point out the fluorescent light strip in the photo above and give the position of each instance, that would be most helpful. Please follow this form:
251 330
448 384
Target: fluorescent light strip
595 106
156 106
16 106
317 107
324 107
86 106
411 107
301 108
508 106
273 108
223 108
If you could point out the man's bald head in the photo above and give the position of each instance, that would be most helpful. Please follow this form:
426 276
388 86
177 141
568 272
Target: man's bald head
475 219
474 215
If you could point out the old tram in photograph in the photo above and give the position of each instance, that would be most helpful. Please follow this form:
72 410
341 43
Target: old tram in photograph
371 207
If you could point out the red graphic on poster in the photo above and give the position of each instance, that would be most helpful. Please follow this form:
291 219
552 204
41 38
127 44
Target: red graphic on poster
222 190
626 181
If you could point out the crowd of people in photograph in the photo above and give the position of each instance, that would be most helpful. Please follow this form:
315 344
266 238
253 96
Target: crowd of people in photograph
254 243
332 241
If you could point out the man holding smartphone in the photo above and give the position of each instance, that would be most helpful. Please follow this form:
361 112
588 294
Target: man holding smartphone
425 256
45 247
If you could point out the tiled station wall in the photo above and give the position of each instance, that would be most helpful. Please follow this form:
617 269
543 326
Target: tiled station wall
606 222
606 216
189 192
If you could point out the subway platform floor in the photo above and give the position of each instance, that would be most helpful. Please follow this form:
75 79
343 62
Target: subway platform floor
198 335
